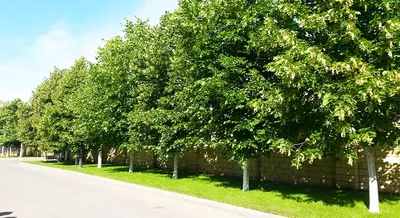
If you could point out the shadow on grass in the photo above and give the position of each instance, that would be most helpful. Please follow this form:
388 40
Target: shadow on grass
298 193
307 193
50 162
160 172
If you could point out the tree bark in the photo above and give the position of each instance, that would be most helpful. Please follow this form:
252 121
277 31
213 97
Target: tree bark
131 162
21 149
246 176
175 172
99 157
373 181
80 158
66 155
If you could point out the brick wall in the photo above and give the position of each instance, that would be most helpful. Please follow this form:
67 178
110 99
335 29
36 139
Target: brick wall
144 159
121 157
388 170
278 168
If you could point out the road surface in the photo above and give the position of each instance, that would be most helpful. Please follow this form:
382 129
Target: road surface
30 191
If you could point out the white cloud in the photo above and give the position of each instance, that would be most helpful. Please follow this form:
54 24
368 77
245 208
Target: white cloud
60 47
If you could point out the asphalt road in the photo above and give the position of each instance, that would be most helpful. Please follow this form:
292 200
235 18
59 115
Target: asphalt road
30 191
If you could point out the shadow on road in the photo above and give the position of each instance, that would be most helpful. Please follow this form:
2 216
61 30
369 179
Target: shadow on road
5 214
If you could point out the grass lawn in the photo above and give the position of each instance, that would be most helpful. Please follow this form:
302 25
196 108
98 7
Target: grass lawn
287 200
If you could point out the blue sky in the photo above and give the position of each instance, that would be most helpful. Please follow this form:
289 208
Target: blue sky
37 35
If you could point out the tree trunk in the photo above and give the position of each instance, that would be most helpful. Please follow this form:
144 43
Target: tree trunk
175 173
246 176
66 155
131 162
80 158
99 157
2 150
9 152
373 181
126 156
58 157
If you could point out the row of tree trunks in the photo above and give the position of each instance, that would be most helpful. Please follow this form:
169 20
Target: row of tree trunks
370 153
22 151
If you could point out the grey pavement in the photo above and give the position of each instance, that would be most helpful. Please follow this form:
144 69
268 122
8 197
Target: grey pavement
30 191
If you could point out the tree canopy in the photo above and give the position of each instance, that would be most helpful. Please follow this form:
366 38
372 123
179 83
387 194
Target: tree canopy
308 79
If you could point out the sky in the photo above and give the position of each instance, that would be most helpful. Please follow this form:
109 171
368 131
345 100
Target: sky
36 36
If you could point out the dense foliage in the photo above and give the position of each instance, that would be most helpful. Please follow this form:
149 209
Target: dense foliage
304 78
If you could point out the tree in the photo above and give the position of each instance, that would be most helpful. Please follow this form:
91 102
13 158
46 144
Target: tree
9 124
340 61
106 96
171 117
53 116
25 130
149 63
220 80
89 126
67 97
47 114
309 79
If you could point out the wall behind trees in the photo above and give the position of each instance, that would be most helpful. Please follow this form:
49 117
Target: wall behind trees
278 168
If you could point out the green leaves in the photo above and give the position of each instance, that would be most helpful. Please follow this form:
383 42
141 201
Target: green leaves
55 118
10 122
341 51
307 79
